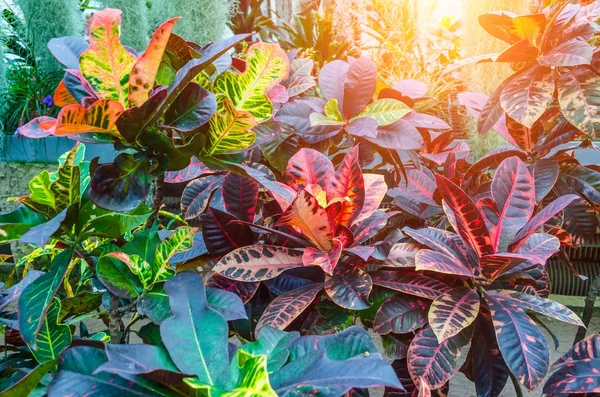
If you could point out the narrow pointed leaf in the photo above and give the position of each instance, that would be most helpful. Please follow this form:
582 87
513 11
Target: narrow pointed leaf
240 195
579 97
400 315
349 287
453 311
416 285
308 166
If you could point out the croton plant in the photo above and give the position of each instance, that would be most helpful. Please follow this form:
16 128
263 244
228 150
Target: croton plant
318 213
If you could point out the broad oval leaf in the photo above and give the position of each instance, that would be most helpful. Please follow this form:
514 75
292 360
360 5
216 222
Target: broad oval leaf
400 315
527 95
221 234
545 173
229 129
196 335
359 86
197 195
579 98
521 342
53 337
385 111
193 108
240 195
432 362
106 64
258 262
285 308
267 65
349 287
348 183
453 311
308 166
39 127
100 118
67 50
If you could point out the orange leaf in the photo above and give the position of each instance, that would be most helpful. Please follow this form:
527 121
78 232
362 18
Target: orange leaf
143 74
62 97
99 118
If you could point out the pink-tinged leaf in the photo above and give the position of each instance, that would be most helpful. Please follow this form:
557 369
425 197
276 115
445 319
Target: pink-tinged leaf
366 127
579 99
240 195
306 215
244 290
445 242
435 363
545 173
539 247
258 263
401 135
453 311
563 132
39 127
402 255
375 191
197 195
493 158
513 191
422 120
493 266
332 77
368 228
414 89
418 186
362 252
525 138
589 348
325 260
580 378
400 315
349 287
527 95
542 217
469 222
570 53
306 167
411 284
278 94
285 308
543 306
348 184
584 180
359 86
62 96
192 171
441 263
143 73
106 64
521 342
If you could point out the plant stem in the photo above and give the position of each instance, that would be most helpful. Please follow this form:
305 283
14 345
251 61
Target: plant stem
517 385
158 198
588 310
115 323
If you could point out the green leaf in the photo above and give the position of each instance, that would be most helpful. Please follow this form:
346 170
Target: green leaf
229 129
318 119
579 98
267 65
35 300
66 187
53 337
40 189
117 277
196 335
103 223
272 343
155 304
385 111
332 110
144 243
29 382
253 377
136 265
106 64
181 240
17 222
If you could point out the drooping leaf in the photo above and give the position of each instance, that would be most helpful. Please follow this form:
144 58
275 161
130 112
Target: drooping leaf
416 285
52 337
196 335
471 226
527 96
240 195
521 342
258 262
267 65
197 195
135 359
400 315
39 127
106 64
67 50
221 234
228 304
584 180
285 308
27 384
441 263
144 71
349 287
35 300
570 53
453 311
229 129
578 96
432 362
513 191
325 260
311 219
99 118
308 166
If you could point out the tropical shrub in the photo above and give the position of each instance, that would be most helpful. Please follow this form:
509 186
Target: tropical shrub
315 207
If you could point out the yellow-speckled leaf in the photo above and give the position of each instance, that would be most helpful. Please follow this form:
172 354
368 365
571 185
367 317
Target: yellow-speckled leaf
143 74
385 111
453 311
106 64
99 118
267 65
229 129
579 98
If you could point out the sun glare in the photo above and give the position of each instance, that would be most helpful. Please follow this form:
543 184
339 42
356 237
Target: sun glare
450 8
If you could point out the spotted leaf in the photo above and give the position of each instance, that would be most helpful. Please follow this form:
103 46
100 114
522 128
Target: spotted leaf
349 287
106 64
349 185
400 315
258 262
453 311
411 284
579 99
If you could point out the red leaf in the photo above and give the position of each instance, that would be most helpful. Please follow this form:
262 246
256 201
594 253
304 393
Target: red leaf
240 195
222 236
348 185
306 167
